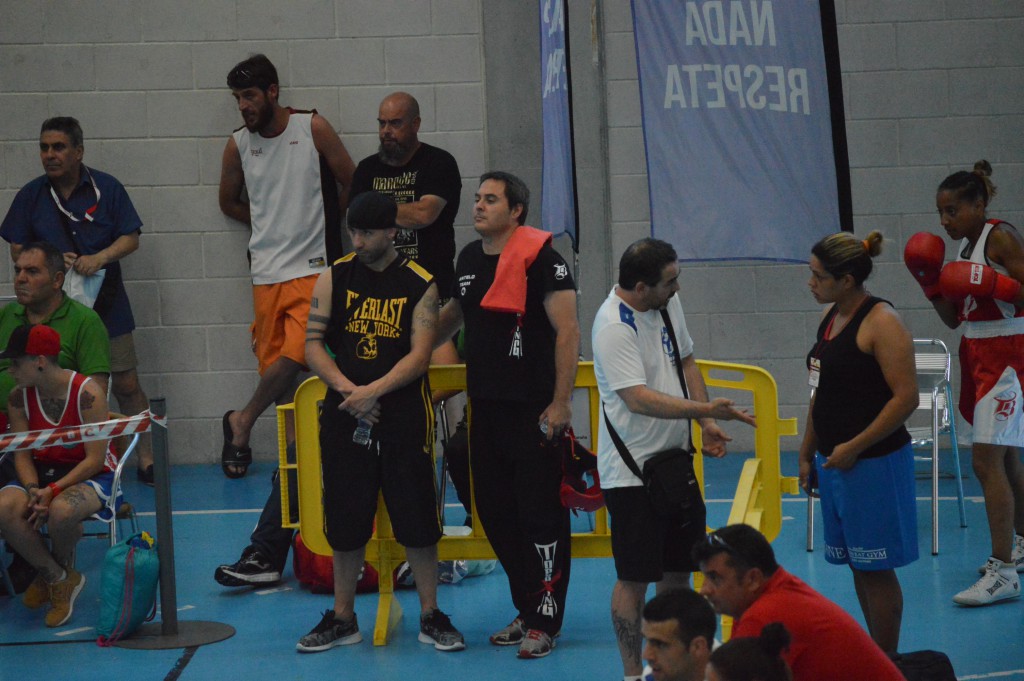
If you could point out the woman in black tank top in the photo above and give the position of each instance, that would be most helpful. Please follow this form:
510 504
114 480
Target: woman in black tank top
864 387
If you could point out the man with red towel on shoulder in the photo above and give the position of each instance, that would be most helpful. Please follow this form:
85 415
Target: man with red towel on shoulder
517 299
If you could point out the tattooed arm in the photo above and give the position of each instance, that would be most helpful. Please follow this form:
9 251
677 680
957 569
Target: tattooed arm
316 331
18 418
38 501
92 403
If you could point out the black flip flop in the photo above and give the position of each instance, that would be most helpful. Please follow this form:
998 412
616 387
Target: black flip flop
145 475
232 457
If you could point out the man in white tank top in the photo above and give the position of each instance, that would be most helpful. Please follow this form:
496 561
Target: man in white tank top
289 163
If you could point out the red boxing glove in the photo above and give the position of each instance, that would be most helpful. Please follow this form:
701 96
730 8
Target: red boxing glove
961 278
923 256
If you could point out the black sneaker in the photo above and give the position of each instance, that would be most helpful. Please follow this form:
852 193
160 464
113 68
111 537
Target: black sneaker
330 633
436 628
252 569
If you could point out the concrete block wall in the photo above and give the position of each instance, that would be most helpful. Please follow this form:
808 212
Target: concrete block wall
930 87
146 80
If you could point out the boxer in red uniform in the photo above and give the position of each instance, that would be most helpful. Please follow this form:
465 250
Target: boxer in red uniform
981 289
58 486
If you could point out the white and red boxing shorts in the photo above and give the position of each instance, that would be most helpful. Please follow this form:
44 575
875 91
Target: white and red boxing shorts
991 399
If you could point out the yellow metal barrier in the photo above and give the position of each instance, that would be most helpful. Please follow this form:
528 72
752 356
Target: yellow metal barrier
758 497
759 490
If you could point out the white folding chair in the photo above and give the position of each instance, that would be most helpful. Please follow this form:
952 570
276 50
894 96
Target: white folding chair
931 356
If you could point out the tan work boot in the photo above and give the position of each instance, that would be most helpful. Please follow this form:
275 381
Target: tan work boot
62 598
37 594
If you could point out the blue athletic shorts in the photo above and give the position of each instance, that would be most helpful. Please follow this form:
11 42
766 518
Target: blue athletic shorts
870 511
101 484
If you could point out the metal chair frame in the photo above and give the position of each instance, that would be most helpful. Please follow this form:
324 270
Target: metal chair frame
932 358
125 511
935 395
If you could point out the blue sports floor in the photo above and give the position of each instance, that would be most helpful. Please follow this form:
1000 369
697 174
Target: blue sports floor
213 517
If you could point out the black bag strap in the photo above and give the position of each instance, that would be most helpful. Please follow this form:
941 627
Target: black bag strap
675 351
679 369
627 458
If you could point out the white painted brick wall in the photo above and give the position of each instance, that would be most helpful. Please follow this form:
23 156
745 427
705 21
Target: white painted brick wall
149 89
294 20
454 16
23 23
398 18
929 86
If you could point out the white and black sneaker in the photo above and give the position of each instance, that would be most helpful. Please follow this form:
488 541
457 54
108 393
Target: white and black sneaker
437 628
999 583
330 632
252 569
1016 555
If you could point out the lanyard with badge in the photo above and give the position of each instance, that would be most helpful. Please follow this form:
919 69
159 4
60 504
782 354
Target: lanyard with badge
97 290
814 359
67 212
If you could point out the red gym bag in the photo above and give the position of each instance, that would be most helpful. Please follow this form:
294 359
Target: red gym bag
317 572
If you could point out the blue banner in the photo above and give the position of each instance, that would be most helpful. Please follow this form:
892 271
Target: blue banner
737 127
558 191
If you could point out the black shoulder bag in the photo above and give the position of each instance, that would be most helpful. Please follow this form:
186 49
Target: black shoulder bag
924 665
668 476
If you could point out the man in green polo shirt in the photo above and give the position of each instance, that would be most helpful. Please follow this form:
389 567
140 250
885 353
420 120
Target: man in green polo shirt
84 344
38 282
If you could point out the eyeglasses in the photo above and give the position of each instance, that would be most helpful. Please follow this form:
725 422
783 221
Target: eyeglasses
241 73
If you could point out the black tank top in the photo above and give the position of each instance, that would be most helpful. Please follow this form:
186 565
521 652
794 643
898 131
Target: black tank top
851 389
370 330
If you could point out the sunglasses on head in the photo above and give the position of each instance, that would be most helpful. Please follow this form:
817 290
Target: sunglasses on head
715 540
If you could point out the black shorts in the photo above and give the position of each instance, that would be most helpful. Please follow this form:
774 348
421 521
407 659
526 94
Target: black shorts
354 474
643 544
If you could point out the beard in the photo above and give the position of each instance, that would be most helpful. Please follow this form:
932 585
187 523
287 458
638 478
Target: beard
263 119
392 152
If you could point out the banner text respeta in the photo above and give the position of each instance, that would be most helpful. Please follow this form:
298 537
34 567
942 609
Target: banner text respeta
737 120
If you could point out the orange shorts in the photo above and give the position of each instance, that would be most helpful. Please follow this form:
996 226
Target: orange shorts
280 326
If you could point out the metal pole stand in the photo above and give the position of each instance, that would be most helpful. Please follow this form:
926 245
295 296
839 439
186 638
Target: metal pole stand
169 632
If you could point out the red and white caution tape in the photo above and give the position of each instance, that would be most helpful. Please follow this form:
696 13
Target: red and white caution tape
69 435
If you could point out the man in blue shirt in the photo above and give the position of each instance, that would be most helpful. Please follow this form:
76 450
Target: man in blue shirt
88 215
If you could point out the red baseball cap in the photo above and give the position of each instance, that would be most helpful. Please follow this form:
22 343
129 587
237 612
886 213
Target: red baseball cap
30 341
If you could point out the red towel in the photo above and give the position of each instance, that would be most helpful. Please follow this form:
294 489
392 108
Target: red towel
508 292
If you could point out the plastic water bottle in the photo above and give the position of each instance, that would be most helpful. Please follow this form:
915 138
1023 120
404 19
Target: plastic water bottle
361 435
451 571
